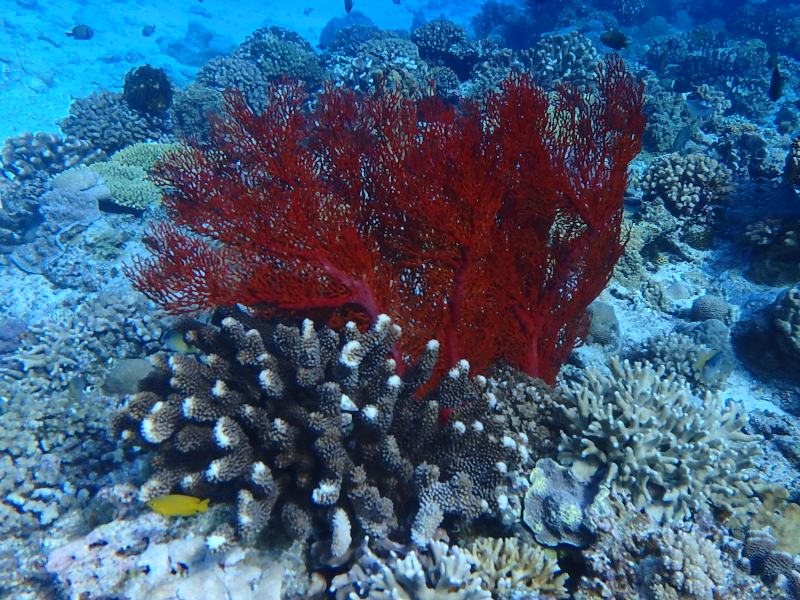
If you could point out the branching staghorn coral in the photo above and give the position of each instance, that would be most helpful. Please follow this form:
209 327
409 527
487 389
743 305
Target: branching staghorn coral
674 453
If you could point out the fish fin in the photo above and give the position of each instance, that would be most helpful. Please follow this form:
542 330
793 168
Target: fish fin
202 506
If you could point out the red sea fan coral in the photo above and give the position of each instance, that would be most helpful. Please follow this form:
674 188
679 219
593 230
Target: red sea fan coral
491 227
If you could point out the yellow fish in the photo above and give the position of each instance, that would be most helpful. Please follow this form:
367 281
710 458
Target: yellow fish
178 505
708 358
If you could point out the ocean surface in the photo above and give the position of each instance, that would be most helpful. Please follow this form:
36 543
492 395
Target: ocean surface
400 299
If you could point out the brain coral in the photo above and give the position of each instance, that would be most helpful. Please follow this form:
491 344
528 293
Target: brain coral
651 437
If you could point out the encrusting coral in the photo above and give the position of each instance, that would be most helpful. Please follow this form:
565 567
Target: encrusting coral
650 436
320 426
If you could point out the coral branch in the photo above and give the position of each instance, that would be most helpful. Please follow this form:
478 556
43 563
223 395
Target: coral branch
491 228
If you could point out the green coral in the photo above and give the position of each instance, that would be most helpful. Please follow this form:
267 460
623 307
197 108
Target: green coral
143 155
126 174
128 185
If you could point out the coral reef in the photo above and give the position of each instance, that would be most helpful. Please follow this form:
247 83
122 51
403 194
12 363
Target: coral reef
319 428
66 211
106 121
444 44
647 434
791 172
692 187
636 558
267 55
25 155
54 451
149 557
504 23
96 566
777 261
667 116
736 68
786 320
73 348
19 210
190 108
560 58
226 72
699 353
279 52
440 571
486 219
